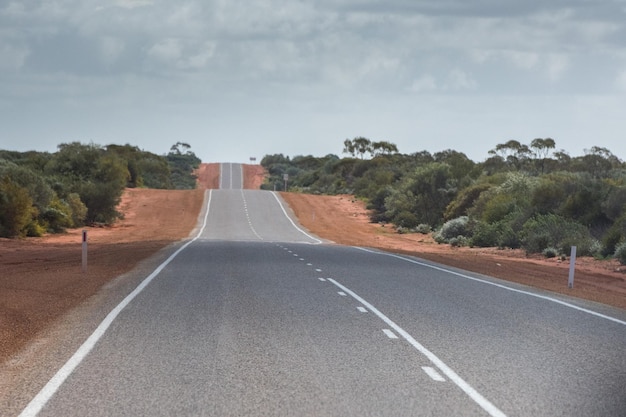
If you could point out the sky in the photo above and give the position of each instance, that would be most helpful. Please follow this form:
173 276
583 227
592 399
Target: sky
240 79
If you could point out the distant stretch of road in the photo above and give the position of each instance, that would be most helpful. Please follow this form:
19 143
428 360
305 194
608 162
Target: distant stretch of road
255 316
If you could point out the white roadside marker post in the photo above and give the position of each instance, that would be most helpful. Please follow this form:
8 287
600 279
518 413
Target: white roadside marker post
84 251
572 267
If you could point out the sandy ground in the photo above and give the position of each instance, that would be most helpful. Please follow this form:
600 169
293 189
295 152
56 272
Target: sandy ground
41 278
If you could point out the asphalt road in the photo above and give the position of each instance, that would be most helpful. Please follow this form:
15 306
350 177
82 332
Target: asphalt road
257 317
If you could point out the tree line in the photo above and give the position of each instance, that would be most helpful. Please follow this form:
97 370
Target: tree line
528 196
82 184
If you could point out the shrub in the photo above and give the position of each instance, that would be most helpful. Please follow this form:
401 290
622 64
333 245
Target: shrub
423 228
499 234
550 252
620 253
498 207
548 230
405 219
79 210
465 200
459 241
614 235
16 209
452 229
485 235
34 229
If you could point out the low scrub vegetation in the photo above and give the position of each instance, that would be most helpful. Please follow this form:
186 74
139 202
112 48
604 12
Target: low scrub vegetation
81 184
521 196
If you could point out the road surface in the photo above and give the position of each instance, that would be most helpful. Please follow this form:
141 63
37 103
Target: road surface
255 316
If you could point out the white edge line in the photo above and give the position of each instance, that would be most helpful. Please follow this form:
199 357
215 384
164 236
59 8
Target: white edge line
39 401
543 297
293 224
484 403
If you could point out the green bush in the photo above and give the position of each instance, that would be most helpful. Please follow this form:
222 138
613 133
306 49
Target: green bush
34 229
58 216
459 241
614 235
550 252
406 219
499 234
16 209
620 253
452 229
464 200
78 208
551 230
423 228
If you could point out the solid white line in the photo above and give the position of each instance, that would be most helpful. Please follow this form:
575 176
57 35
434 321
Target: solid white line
292 223
390 334
36 404
543 297
471 392
362 309
431 372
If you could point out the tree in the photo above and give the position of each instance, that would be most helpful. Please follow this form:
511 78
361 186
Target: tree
349 148
541 149
384 148
182 166
513 152
176 148
357 146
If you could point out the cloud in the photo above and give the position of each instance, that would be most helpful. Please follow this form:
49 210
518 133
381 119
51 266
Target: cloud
111 49
182 54
556 65
12 57
424 84
620 81
132 4
201 56
459 80
166 50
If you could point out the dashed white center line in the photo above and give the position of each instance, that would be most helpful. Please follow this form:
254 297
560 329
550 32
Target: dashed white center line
341 293
390 334
322 279
309 264
431 372
318 270
362 309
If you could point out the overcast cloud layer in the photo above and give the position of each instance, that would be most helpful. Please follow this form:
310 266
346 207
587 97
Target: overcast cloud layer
236 79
